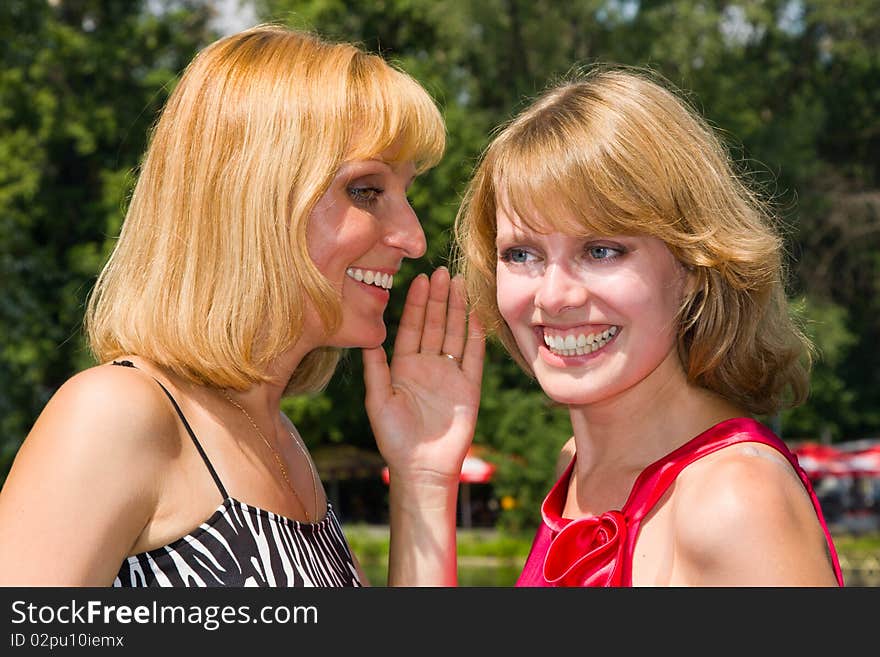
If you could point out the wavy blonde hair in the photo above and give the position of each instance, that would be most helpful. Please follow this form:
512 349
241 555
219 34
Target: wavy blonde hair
211 275
616 150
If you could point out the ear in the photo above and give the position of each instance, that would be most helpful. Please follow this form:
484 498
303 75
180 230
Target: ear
689 280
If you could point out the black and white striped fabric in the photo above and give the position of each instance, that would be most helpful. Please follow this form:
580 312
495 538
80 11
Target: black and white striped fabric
243 545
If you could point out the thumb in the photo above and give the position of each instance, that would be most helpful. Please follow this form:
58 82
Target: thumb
377 377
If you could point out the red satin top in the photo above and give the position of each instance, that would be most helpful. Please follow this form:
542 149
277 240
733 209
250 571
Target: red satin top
598 550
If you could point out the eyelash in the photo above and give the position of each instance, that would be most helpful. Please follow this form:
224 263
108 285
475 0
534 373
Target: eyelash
616 252
366 196
507 254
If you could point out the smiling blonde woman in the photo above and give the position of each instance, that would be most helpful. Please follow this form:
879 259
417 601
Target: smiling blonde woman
608 242
269 218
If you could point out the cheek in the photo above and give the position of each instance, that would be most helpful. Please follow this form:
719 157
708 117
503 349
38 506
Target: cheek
333 248
656 310
320 240
322 255
511 295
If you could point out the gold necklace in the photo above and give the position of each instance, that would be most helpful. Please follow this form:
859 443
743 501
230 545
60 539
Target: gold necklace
280 463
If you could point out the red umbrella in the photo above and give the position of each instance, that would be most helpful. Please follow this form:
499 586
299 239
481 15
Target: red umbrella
474 470
864 462
821 460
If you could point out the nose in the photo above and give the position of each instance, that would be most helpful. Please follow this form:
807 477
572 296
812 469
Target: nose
559 288
405 233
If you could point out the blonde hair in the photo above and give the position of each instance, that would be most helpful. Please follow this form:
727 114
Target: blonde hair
614 150
211 275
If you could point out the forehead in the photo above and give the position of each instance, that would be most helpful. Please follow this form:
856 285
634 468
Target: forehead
538 217
507 222
395 156
379 165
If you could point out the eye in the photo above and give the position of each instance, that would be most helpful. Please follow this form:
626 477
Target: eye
603 252
516 255
365 195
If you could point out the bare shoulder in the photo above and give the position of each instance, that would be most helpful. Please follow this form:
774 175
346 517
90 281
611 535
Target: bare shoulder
107 426
744 482
743 516
107 407
101 443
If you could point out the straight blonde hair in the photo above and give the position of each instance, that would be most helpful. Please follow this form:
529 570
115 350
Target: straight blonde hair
616 150
211 275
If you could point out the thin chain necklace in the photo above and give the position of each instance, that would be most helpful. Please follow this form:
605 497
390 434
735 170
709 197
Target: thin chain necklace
280 463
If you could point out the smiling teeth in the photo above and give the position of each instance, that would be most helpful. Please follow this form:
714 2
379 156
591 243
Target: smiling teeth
571 345
370 277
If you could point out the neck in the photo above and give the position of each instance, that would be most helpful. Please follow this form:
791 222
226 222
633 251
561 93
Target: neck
645 422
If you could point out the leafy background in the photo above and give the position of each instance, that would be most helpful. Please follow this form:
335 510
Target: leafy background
793 86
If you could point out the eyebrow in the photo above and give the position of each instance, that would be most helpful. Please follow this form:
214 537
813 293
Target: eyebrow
515 234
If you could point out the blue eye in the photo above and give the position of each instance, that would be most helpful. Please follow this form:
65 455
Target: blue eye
515 255
364 195
603 252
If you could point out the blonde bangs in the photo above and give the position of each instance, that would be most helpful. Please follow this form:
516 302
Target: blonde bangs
615 151
572 163
392 112
534 180
212 275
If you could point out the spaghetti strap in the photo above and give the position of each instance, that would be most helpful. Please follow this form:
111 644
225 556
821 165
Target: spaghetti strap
128 363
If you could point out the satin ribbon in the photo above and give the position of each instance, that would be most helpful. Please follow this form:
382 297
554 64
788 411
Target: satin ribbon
588 552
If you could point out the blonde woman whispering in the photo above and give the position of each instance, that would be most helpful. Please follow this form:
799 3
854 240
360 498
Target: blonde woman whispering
268 222
609 244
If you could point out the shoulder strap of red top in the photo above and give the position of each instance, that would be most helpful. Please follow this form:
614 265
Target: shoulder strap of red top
654 480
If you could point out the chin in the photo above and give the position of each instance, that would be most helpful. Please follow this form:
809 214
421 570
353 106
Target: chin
573 392
369 339
569 398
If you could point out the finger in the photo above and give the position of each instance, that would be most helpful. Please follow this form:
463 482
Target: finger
474 348
412 319
435 313
377 377
456 318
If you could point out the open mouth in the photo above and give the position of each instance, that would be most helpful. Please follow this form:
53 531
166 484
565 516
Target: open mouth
371 277
578 344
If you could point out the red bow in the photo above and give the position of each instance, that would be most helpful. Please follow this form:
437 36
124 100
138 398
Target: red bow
588 552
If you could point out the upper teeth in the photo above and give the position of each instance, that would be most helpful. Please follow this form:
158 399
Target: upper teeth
578 345
370 277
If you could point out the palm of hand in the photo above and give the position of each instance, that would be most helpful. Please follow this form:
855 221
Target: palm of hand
423 409
430 417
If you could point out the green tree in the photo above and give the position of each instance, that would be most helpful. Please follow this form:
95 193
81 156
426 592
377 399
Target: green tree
80 85
832 402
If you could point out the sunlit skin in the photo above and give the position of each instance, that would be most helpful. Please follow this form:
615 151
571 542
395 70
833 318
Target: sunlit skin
363 225
621 293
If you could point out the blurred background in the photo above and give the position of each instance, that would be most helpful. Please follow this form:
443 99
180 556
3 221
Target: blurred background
792 86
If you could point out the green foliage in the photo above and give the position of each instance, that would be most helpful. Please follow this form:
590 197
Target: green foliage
81 83
370 543
831 404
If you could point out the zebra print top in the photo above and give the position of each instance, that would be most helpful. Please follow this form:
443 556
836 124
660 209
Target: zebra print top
243 545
